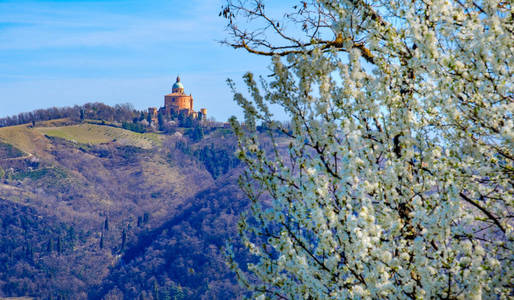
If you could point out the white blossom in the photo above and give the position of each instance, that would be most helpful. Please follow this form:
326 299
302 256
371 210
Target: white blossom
397 181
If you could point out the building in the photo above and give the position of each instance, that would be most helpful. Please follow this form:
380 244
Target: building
177 102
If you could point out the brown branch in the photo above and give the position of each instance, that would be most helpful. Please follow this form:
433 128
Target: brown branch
324 46
485 211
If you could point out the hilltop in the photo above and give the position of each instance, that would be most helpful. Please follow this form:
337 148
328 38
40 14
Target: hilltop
92 210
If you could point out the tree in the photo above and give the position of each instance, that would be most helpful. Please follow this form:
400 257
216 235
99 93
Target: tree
59 245
397 178
123 240
149 118
72 236
196 133
102 240
156 290
161 121
50 245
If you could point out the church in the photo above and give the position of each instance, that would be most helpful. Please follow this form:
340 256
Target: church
178 102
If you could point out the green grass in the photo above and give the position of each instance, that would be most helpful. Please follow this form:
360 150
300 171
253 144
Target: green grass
21 137
98 134
25 139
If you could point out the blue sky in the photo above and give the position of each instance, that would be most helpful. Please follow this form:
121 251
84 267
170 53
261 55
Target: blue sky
62 53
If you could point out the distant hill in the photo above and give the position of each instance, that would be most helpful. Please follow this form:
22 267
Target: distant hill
89 210
184 255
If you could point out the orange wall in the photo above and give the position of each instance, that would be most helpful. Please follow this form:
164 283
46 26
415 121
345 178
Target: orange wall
181 102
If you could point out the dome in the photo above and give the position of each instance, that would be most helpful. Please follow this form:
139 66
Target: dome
178 85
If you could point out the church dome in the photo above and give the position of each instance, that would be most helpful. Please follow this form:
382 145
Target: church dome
177 85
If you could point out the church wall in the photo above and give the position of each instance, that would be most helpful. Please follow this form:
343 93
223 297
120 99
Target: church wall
178 102
185 102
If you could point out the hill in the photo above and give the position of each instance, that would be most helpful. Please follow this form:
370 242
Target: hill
97 134
183 257
96 211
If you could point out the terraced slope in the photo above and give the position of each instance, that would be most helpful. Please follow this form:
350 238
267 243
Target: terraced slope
97 134
32 140
25 139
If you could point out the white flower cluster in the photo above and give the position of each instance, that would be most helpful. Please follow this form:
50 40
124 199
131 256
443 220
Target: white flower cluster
398 179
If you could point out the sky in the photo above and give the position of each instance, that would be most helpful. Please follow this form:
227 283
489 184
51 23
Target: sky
63 53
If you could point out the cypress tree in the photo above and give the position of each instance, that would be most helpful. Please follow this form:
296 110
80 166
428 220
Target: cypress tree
123 238
59 245
155 290
71 236
160 120
29 251
50 246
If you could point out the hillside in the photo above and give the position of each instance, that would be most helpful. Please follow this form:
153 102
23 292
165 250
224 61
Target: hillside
184 256
84 206
97 134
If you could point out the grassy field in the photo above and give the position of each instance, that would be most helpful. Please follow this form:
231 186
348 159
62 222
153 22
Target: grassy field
97 134
24 138
32 140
